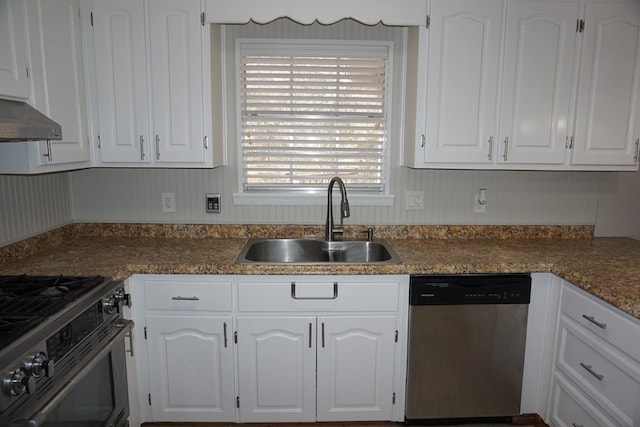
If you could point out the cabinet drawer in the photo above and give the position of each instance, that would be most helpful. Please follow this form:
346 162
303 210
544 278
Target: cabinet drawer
571 408
174 295
610 379
602 319
321 295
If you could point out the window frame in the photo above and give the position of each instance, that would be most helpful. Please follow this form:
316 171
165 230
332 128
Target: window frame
315 196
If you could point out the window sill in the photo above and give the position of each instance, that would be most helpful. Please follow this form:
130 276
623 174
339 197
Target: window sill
311 199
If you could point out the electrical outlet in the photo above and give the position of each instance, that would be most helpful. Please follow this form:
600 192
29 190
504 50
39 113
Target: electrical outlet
480 201
413 200
168 202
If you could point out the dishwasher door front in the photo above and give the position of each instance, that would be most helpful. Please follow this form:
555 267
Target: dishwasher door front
465 361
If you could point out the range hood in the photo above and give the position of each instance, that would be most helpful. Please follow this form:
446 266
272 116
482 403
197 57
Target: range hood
21 122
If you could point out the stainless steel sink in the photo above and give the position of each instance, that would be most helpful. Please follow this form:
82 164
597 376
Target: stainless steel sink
312 251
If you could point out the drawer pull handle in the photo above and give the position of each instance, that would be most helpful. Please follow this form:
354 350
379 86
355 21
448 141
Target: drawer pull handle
179 298
576 425
589 369
310 335
335 292
595 322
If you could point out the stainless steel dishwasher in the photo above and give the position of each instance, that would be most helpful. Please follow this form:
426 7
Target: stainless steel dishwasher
466 347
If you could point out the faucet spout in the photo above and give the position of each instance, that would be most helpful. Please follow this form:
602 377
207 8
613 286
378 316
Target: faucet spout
330 228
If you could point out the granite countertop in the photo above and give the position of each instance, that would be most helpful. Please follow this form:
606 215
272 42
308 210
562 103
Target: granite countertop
608 268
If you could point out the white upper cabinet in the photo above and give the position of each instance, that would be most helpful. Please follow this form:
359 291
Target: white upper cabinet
537 82
462 80
58 82
14 76
608 119
405 12
177 95
59 78
515 84
121 70
152 84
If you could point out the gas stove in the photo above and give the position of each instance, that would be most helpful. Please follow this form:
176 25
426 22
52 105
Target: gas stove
50 327
26 301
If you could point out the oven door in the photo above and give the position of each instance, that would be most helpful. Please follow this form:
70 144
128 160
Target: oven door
95 396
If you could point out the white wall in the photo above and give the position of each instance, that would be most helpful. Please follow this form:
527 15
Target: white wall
30 205
619 205
134 195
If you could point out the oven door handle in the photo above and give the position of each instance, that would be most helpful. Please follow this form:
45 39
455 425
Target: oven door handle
41 416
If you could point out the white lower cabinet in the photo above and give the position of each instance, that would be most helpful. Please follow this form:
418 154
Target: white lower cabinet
269 348
191 371
277 369
319 348
186 363
305 369
597 366
355 367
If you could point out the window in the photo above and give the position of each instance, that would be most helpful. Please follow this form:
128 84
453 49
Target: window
311 110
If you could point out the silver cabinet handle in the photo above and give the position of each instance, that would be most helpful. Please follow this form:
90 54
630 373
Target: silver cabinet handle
141 147
490 154
589 369
595 322
423 141
206 142
157 147
225 334
506 148
637 156
322 334
576 425
179 298
130 336
293 292
310 335
48 154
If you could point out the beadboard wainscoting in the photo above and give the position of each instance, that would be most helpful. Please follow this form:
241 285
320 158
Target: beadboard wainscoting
30 205
543 198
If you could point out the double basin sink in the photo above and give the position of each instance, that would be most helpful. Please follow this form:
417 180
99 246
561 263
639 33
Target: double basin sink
315 251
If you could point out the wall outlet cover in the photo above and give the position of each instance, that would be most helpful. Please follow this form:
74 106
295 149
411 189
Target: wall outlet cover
168 202
414 200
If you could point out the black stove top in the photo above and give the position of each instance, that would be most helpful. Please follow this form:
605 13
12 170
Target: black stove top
26 301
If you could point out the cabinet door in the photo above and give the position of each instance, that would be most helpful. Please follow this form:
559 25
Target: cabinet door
121 81
190 368
540 47
177 95
608 119
59 78
14 77
355 368
462 80
277 369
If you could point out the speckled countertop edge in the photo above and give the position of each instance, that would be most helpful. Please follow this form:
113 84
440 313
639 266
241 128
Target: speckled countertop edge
608 268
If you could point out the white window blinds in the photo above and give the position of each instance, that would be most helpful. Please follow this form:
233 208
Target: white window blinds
311 111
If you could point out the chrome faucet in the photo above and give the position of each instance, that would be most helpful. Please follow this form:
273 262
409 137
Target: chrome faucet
330 229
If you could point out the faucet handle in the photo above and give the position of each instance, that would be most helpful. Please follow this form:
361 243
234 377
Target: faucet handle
337 230
369 232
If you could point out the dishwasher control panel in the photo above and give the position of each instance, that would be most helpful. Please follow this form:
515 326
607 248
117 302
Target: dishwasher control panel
470 289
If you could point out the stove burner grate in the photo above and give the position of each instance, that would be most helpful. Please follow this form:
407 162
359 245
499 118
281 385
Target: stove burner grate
26 301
